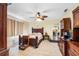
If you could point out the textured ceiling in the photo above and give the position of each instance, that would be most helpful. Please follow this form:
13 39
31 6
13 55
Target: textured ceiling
26 11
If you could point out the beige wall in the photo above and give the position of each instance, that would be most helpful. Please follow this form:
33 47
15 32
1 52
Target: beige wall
69 13
15 28
48 25
26 28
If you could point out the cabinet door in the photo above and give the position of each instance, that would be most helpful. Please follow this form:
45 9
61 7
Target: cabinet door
67 23
76 19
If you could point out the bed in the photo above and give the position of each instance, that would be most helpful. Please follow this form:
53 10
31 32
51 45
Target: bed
36 37
33 39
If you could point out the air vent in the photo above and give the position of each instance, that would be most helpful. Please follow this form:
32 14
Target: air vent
65 10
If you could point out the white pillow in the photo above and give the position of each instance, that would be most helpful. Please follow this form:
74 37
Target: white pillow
32 36
39 33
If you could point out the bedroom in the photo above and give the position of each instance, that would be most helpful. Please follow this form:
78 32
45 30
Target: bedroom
28 22
25 26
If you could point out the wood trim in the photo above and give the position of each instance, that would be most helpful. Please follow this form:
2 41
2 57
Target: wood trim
5 25
35 30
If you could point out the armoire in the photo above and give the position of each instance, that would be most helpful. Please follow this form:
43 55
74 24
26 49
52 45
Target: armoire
73 46
70 48
65 25
3 30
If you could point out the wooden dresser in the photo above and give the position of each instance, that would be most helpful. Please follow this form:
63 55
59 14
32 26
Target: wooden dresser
4 52
70 48
73 48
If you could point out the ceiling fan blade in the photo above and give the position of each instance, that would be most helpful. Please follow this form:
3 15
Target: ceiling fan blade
42 19
45 16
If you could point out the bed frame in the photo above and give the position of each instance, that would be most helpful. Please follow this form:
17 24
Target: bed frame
34 42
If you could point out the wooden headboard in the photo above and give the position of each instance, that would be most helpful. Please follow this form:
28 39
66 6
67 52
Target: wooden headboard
36 30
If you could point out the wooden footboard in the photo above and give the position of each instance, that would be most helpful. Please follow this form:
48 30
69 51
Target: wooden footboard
31 41
39 42
34 42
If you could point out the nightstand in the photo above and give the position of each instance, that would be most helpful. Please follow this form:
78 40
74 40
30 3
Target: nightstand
46 37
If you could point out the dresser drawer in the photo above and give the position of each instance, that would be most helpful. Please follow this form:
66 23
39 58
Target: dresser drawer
4 52
73 50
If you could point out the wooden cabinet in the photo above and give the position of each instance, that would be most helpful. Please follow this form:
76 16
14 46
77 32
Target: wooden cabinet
3 29
76 34
73 48
76 17
76 24
4 52
65 25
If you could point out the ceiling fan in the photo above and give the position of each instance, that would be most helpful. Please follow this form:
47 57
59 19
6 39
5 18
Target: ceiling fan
39 16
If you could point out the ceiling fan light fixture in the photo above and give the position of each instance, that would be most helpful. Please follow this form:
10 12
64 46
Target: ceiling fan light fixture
38 19
37 15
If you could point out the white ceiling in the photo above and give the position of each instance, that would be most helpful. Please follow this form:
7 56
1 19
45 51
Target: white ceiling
26 10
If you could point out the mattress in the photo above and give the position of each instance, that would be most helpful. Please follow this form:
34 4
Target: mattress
34 35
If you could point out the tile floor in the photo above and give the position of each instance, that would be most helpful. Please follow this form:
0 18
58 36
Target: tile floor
46 48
